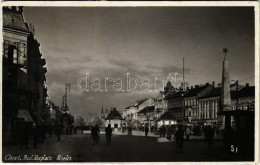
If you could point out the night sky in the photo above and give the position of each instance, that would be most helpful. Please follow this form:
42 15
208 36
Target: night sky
142 41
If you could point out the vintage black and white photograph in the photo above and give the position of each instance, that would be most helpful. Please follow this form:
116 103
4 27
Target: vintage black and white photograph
129 83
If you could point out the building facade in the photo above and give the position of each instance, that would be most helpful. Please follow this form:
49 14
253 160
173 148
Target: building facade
24 93
191 103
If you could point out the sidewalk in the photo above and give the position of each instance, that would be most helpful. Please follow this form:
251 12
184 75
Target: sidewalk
140 133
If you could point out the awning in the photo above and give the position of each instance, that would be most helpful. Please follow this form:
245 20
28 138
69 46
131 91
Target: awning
24 114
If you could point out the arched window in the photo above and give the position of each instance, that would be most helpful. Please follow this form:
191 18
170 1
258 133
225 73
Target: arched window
12 54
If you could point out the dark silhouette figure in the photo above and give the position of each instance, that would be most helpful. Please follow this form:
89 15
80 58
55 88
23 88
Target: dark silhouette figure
75 130
162 131
152 129
129 130
35 135
146 129
108 131
228 136
179 139
58 131
24 134
209 135
50 130
188 133
95 134
82 129
169 133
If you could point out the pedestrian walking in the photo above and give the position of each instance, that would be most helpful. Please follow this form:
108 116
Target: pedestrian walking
146 129
129 130
108 131
50 130
152 129
188 132
94 135
75 130
35 135
179 139
58 131
97 133
24 134
211 132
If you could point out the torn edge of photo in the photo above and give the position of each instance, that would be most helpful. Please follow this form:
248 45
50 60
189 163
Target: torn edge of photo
120 82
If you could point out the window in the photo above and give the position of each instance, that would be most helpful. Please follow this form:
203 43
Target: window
12 54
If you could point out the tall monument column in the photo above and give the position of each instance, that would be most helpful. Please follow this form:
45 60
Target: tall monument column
225 99
225 90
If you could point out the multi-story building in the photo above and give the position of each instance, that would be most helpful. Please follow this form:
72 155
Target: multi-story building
174 105
147 115
24 92
191 103
208 107
36 77
242 98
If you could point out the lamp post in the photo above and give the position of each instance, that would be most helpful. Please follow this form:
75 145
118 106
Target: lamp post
67 89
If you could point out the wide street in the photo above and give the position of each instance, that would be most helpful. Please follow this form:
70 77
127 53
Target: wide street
136 148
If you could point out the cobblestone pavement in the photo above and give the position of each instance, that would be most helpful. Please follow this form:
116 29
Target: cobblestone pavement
136 148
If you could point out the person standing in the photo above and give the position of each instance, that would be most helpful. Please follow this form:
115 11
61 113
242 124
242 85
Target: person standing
24 134
211 132
188 132
179 138
108 131
58 131
146 129
35 135
97 133
129 130
93 135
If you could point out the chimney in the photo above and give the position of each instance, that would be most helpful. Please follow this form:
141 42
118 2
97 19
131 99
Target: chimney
247 85
191 87
207 84
213 83
196 86
20 9
187 88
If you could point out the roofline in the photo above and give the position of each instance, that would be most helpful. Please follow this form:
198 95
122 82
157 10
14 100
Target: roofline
209 98
191 97
7 29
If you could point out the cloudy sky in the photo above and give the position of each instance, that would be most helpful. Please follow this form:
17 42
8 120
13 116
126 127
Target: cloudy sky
145 42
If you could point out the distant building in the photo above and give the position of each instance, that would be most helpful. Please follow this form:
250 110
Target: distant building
161 103
147 116
191 103
79 121
174 105
115 119
166 119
